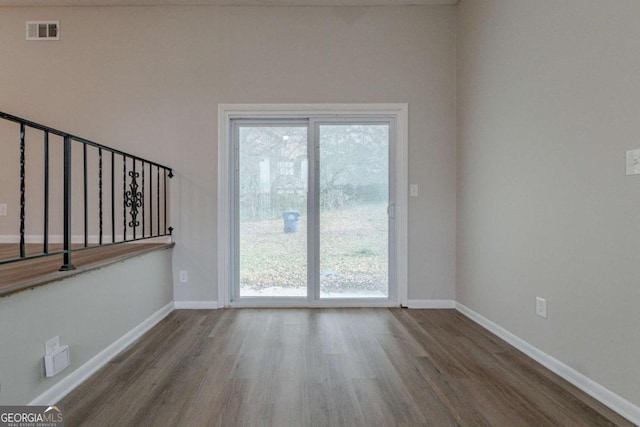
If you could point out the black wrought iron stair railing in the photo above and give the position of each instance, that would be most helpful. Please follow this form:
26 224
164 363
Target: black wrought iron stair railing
143 196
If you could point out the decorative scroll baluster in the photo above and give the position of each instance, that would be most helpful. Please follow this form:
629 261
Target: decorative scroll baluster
22 190
133 200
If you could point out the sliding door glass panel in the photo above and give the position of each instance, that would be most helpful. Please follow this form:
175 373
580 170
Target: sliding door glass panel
353 219
272 210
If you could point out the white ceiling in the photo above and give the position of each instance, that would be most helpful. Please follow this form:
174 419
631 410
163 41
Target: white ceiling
224 2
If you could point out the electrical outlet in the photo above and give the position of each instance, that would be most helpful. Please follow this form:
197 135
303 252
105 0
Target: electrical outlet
52 345
633 162
184 276
541 307
3 209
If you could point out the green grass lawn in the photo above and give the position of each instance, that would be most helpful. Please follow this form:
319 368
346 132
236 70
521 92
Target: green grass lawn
353 252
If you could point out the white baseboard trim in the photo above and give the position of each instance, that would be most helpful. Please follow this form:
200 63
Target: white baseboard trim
431 303
66 385
195 305
592 388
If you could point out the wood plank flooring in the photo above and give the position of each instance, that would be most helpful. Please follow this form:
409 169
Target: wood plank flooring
327 367
36 272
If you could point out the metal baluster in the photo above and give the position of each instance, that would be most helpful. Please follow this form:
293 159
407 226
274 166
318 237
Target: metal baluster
150 199
100 195
67 265
142 204
158 195
46 193
86 195
124 193
22 190
165 200
113 197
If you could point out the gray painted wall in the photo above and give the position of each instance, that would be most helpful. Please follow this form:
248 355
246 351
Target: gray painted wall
89 312
548 103
149 80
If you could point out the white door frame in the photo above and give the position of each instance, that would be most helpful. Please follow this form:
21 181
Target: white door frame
228 112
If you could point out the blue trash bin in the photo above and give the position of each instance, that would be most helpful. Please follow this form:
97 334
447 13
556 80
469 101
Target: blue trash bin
290 221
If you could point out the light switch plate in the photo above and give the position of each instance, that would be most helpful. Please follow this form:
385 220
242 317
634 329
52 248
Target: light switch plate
633 162
413 190
3 209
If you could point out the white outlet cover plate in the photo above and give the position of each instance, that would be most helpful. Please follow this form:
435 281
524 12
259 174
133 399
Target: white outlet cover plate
3 209
184 276
633 162
413 190
541 307
56 361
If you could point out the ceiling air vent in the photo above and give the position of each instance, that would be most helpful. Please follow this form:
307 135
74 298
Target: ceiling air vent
43 30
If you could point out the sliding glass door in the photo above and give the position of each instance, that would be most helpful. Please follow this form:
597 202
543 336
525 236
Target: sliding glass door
354 198
313 215
272 189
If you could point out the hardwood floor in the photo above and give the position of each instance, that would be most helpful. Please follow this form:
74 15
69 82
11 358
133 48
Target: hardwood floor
27 274
327 367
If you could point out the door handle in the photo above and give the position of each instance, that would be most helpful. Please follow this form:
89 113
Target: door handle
391 210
